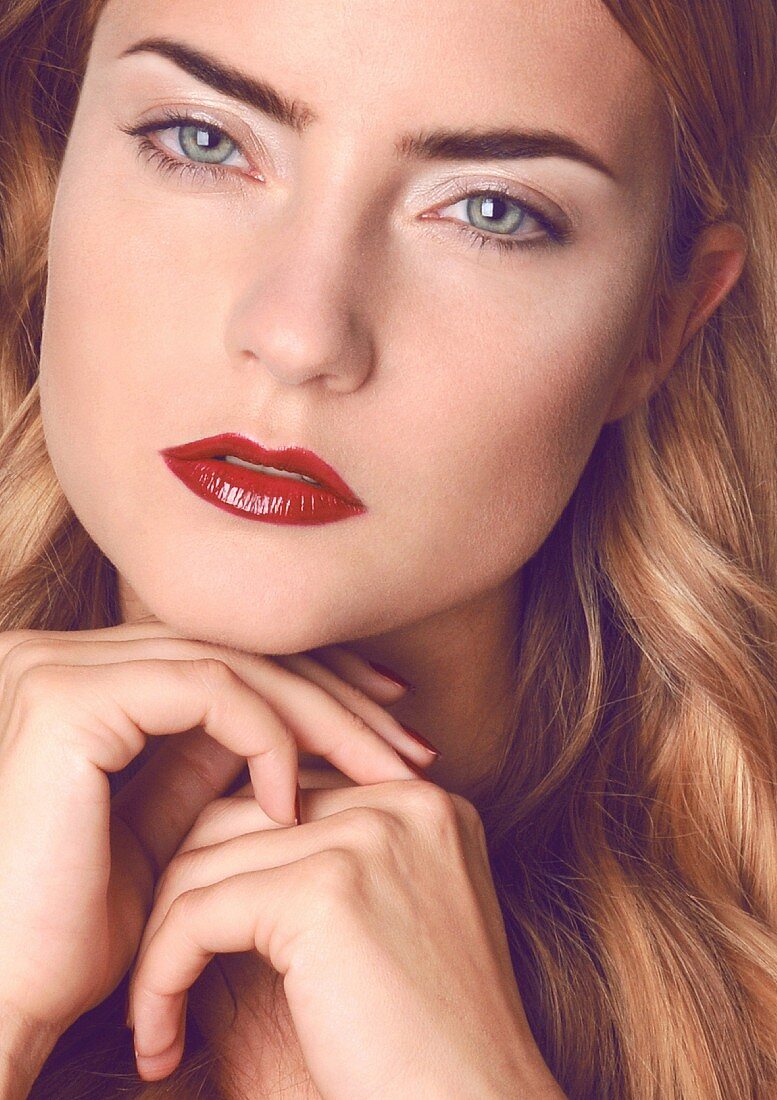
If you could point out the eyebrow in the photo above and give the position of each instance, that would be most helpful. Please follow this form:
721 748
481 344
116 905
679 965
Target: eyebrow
439 144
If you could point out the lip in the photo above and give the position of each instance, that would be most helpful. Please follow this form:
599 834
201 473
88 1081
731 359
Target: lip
258 495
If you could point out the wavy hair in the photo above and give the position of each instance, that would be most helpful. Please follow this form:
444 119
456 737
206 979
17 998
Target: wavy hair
632 818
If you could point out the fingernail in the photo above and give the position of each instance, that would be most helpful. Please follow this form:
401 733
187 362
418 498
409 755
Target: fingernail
393 676
153 1063
421 740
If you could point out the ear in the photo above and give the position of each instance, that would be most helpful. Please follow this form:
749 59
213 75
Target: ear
719 257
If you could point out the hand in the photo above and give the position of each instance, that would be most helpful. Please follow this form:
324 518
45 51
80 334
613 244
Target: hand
78 872
379 911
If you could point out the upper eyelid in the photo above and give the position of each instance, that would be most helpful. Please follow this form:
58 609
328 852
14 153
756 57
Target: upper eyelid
173 117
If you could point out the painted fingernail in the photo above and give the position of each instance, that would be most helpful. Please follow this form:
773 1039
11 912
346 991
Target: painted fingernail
421 740
393 676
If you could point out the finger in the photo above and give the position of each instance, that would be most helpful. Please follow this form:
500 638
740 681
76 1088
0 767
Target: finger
250 851
239 812
325 727
112 707
161 802
321 724
357 702
385 685
237 914
225 818
276 684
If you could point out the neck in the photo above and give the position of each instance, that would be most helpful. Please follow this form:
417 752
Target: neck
461 663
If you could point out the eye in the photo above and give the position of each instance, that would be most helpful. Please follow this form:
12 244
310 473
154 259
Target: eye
200 148
497 211
202 144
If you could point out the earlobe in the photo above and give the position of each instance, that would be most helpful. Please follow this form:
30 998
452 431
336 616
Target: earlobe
720 256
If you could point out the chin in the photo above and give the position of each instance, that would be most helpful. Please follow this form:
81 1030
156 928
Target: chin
220 625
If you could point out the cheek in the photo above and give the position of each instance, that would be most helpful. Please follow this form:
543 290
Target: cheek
121 327
494 386
508 406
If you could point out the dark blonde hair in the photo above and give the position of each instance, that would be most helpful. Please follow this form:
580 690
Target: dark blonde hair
632 819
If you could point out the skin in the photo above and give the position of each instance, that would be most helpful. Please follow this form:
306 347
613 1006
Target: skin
459 391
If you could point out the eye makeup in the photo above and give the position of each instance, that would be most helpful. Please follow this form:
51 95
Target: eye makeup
494 197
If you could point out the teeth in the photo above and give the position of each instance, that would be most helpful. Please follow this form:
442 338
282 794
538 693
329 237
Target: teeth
269 470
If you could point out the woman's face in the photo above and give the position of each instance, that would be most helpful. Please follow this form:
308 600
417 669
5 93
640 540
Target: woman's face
329 285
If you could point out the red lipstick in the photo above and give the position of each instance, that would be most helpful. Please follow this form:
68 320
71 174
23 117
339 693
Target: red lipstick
256 494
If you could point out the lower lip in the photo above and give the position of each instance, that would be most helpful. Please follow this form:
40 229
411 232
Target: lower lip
259 496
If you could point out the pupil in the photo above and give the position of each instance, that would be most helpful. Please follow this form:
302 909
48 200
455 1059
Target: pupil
490 211
205 143
487 208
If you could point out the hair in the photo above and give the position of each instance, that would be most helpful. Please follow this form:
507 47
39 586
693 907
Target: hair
632 818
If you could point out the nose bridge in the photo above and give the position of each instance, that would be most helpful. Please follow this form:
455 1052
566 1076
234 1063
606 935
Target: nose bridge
306 310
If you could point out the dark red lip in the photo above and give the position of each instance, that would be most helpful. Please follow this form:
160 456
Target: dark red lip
296 460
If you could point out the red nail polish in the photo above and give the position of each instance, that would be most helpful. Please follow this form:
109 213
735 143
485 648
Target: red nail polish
421 740
393 676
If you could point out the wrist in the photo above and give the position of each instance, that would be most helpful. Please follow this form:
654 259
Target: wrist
24 1047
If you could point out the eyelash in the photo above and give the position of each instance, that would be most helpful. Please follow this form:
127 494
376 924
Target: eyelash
555 234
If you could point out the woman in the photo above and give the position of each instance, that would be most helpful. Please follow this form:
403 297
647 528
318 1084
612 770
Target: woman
503 278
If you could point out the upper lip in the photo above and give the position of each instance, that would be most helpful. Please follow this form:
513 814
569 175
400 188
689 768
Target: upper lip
297 460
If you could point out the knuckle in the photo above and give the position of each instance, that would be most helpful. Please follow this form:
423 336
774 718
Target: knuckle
434 803
372 826
214 673
469 815
30 649
212 813
337 876
212 822
465 809
183 906
36 684
10 639
179 874
359 727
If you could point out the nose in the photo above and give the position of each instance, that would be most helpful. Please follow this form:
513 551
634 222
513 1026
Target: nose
305 314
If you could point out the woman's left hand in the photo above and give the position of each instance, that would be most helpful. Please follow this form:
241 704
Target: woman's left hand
380 912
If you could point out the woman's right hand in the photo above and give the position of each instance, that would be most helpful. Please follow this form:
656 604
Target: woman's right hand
77 871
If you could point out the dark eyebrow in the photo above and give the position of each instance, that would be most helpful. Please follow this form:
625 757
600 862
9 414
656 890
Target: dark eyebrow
442 144
232 82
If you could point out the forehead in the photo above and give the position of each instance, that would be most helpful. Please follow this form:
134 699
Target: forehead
398 64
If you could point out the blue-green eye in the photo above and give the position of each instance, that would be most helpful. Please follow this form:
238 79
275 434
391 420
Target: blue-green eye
199 148
205 143
495 213
203 151
494 218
